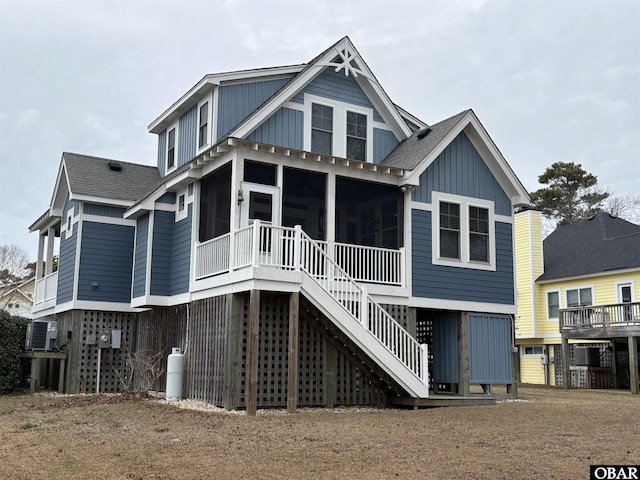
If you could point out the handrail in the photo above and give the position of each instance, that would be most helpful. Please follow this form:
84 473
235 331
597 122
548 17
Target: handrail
599 316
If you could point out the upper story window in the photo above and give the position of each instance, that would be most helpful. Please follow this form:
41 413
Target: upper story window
203 124
579 297
181 205
332 127
463 233
356 136
553 305
171 149
321 128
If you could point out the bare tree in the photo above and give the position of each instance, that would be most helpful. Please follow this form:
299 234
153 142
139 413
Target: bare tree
13 271
624 206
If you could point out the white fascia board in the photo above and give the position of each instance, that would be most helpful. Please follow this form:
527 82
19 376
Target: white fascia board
179 181
385 107
464 306
59 194
146 301
588 276
212 81
100 200
413 119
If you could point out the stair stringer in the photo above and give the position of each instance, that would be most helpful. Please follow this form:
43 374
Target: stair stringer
362 338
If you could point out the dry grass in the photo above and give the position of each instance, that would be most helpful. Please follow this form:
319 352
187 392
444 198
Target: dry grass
554 434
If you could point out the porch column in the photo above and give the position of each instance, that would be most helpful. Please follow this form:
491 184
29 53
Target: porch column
464 387
566 373
51 239
39 272
614 363
633 365
251 373
292 379
330 214
233 352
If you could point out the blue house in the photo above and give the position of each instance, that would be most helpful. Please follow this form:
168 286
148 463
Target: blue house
303 240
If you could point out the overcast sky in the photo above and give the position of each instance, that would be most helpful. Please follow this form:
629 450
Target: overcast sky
550 80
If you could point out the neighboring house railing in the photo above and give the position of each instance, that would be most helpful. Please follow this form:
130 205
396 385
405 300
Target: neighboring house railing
291 249
600 316
46 288
362 263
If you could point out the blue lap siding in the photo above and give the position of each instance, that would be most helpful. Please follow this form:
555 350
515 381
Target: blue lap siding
140 259
453 283
171 254
106 258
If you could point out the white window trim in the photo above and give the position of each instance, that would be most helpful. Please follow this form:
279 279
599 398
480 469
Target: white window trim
579 287
546 301
633 290
339 137
70 221
465 203
188 199
531 355
168 170
200 149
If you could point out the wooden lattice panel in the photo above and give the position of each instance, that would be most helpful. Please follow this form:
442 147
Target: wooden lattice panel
311 389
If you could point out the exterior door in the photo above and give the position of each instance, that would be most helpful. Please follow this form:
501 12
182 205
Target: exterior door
625 295
261 202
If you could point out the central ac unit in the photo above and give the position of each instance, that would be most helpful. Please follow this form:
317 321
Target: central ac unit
41 335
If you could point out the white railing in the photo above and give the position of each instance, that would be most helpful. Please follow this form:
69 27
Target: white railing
46 288
370 264
271 245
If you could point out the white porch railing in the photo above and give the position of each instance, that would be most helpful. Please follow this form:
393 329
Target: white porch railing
46 288
362 263
292 249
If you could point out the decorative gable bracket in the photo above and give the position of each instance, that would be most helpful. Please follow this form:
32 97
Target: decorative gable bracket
348 60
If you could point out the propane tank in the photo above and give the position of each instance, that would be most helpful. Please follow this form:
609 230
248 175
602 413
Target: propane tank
175 374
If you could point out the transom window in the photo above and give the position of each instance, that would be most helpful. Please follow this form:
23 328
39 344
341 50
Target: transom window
579 297
321 128
171 148
203 124
449 230
356 136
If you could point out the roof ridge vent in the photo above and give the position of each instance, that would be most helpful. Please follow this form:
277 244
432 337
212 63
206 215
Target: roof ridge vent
423 133
115 166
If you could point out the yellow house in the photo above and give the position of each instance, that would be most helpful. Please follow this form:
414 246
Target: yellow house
579 287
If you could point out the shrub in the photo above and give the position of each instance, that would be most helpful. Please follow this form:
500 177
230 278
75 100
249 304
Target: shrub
13 331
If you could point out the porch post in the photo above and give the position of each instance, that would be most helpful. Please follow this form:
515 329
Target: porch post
51 238
633 365
39 272
251 372
566 373
297 247
292 379
614 363
330 215
255 257
233 351
464 387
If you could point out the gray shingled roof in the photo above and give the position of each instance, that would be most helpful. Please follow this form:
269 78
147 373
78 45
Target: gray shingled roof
410 152
601 244
92 176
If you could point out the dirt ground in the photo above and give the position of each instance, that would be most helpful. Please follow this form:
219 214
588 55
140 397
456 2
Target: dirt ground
548 433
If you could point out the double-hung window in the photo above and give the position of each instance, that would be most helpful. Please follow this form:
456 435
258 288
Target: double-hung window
203 125
171 149
356 136
579 297
463 232
553 305
321 128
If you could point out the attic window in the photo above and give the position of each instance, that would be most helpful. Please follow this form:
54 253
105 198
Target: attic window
115 166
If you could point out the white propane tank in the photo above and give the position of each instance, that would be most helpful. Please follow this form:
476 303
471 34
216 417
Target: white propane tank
175 374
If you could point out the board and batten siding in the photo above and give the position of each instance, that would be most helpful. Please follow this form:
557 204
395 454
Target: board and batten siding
460 170
140 259
337 86
383 142
490 349
171 253
103 210
283 129
106 260
236 102
445 348
162 152
453 283
187 136
67 256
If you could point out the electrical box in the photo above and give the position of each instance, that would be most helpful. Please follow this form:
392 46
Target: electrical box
104 340
116 338
92 340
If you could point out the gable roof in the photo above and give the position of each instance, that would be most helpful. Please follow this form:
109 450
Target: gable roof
603 243
422 148
93 177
